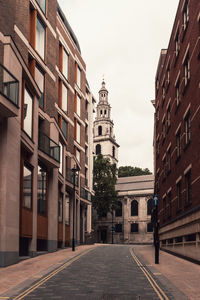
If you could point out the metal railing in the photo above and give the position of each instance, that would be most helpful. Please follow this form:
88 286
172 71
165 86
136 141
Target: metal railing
48 146
70 176
9 85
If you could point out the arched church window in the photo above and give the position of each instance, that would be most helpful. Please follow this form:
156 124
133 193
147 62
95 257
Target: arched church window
118 211
149 206
113 151
100 130
134 208
98 149
105 112
101 112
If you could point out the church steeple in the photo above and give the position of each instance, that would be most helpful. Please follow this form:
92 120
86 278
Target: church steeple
104 138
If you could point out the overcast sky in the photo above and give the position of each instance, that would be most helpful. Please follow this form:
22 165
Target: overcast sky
123 40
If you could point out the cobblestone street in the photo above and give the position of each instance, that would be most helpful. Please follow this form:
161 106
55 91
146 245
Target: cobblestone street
106 272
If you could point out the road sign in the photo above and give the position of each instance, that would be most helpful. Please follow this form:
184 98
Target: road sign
155 200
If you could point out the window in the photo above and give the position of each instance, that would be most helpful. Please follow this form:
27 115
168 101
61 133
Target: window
178 143
78 155
64 98
134 227
170 204
177 43
113 151
177 92
163 92
105 112
67 209
185 15
61 158
164 208
187 129
27 188
187 69
78 81
164 167
40 79
60 207
168 117
149 227
78 132
64 128
169 161
42 4
179 197
65 64
28 113
118 227
134 208
98 149
41 191
188 196
101 113
40 38
78 105
118 211
168 75
164 129
149 206
100 130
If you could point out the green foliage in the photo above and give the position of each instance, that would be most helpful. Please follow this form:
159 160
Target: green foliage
132 171
104 176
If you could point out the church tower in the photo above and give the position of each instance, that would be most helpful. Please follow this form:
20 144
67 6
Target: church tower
104 138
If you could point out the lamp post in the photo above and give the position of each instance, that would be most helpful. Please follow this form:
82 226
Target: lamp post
75 169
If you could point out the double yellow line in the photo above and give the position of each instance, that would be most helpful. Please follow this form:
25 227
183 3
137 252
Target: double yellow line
153 283
52 274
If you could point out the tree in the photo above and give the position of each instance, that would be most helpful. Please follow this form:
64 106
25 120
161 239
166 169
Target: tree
132 171
104 174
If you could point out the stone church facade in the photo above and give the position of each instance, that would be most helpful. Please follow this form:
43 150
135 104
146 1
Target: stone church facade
131 223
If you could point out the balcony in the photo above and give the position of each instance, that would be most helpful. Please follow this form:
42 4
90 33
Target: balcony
50 148
70 177
85 194
9 94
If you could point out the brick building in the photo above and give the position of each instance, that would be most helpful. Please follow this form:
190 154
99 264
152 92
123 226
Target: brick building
45 125
176 131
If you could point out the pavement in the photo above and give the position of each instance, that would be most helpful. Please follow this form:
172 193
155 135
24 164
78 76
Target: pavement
177 277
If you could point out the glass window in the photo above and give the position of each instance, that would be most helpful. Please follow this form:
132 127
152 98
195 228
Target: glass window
118 211
188 198
179 196
27 188
149 227
134 227
78 155
61 158
28 112
64 128
64 97
65 63
67 209
98 149
42 188
60 207
40 38
78 133
118 227
149 206
78 105
100 130
134 208
78 77
39 78
42 4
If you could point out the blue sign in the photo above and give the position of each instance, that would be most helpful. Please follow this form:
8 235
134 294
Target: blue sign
155 200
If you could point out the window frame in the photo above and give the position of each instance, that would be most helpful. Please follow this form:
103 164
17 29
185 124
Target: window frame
43 56
29 168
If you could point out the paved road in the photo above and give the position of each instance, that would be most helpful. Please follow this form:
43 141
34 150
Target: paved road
107 272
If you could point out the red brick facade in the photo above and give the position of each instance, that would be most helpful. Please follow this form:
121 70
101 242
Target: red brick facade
177 129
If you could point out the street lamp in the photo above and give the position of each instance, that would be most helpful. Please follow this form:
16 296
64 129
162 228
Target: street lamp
75 169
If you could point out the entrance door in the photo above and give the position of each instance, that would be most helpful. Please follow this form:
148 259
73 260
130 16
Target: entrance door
103 235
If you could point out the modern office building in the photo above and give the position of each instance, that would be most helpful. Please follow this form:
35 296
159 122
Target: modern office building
131 222
45 128
176 135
